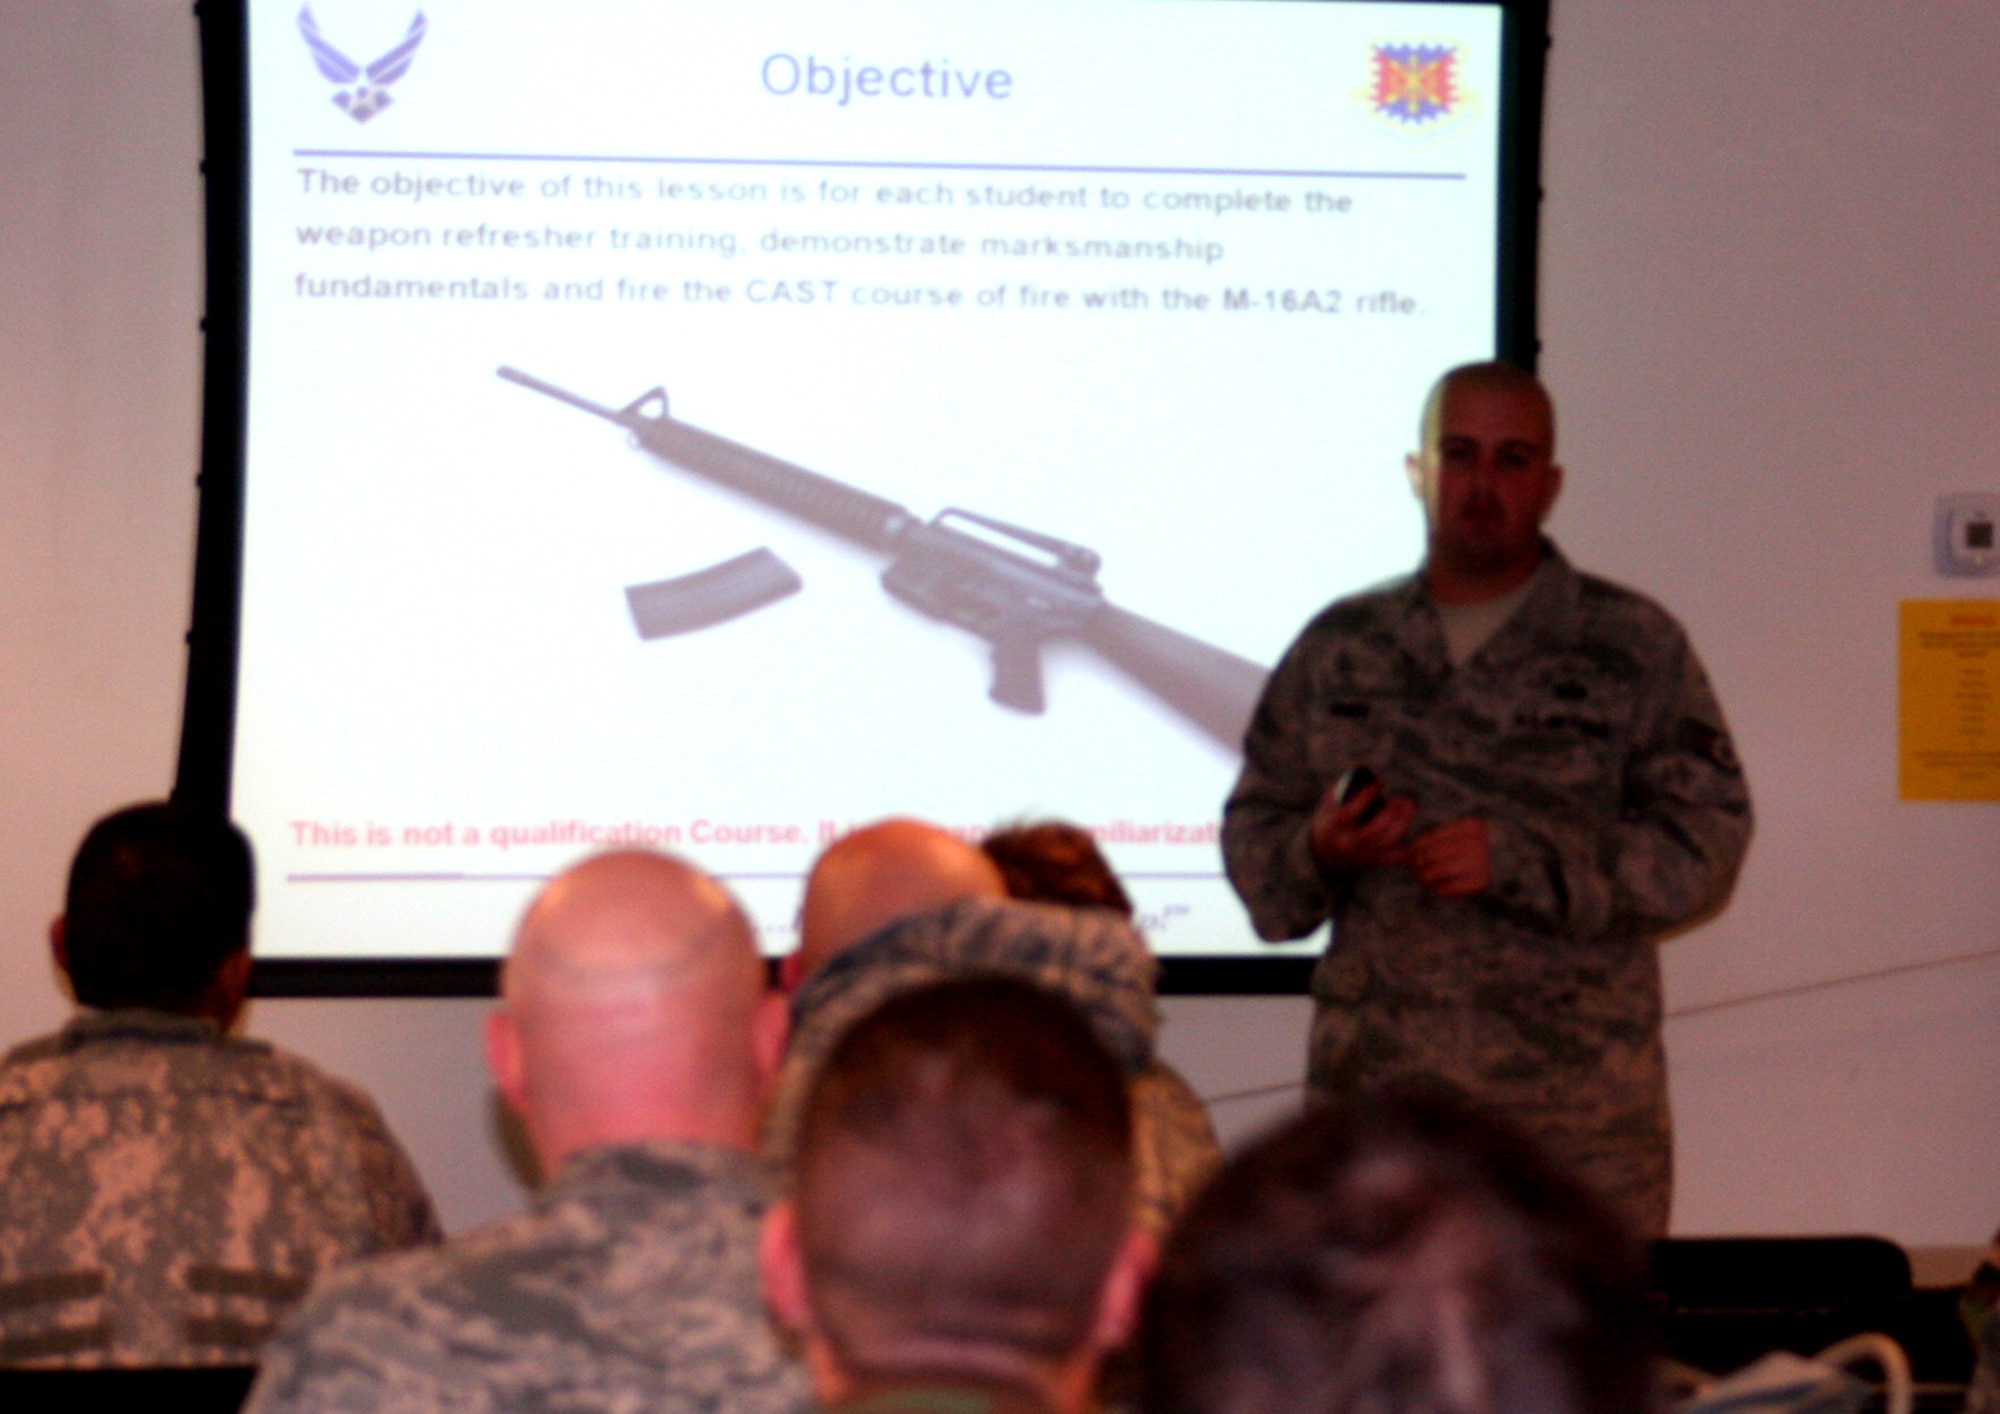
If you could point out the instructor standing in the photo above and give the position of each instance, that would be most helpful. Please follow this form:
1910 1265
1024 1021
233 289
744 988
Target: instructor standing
1553 790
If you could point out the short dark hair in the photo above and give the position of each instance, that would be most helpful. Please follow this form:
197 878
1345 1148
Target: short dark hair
159 898
1400 1254
1053 861
964 1176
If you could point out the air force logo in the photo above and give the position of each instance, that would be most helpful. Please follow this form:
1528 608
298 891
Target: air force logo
370 96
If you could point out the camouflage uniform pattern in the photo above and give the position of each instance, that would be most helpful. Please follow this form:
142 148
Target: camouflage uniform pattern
630 1287
1173 1145
1092 956
942 1397
171 1192
1584 733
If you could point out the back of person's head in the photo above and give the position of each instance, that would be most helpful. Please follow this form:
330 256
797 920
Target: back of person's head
1053 861
1399 1255
159 899
632 1007
963 1184
871 877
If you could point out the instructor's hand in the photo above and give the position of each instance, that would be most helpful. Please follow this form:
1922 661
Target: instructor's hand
1454 860
1341 843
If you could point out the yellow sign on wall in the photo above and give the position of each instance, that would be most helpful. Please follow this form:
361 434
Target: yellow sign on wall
1950 699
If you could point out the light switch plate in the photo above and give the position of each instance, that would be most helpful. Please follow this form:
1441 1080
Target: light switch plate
1968 533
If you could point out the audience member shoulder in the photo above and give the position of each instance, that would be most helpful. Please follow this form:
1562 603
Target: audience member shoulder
154 1049
670 1214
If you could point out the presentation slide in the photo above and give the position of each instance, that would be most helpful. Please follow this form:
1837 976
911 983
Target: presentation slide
712 426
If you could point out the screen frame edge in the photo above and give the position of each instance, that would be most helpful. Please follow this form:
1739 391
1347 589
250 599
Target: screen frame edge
204 767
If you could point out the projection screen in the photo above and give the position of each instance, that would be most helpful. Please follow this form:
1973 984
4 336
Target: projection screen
710 426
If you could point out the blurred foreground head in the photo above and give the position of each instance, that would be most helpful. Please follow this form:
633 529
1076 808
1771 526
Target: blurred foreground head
633 1008
868 879
1399 1255
157 913
962 1199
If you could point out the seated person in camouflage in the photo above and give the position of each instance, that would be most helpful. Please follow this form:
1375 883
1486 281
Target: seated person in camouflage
635 1041
170 1189
1052 861
901 904
959 1239
1399 1254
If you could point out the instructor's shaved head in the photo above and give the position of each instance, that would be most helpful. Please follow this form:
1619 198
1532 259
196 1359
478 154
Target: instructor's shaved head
631 1008
880 873
1494 376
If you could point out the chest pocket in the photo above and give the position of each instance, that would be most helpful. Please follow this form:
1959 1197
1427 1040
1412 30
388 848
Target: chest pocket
1569 728
1352 729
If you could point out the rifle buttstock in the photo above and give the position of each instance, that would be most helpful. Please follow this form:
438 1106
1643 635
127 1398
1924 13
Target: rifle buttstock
1209 686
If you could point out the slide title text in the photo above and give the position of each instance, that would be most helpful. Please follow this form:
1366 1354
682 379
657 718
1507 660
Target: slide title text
785 74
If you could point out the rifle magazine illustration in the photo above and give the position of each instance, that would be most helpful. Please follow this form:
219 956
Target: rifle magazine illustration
712 596
1016 588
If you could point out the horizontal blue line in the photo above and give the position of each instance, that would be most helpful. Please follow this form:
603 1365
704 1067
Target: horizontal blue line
415 878
462 878
877 166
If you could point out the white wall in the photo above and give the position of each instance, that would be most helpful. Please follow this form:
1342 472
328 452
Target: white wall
1770 312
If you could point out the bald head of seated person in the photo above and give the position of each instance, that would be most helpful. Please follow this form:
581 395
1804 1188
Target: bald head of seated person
959 1235
150 1161
1397 1254
868 879
636 1043
633 1009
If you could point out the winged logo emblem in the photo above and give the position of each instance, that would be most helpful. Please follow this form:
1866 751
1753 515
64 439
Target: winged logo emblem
370 96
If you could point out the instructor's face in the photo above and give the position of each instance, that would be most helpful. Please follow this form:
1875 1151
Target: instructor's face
1487 478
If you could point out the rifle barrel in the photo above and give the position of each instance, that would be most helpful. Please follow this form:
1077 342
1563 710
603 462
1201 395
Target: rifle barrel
562 395
861 516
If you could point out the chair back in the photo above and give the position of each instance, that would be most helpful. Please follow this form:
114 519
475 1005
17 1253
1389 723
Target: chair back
186 1389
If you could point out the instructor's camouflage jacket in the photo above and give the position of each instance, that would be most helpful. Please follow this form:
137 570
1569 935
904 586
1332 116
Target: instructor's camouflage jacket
1584 733
170 1192
631 1287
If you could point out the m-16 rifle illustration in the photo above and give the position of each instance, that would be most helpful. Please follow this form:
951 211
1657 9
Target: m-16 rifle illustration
1016 588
